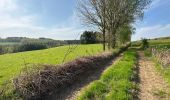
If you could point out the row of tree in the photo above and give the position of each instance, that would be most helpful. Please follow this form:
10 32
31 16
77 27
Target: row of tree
90 37
113 18
20 44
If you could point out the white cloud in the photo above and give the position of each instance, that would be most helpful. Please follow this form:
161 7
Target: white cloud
8 5
152 32
12 25
8 19
54 33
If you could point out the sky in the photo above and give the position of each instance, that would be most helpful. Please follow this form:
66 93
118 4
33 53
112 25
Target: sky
57 19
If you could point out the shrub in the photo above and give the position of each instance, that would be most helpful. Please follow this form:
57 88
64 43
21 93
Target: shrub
31 46
90 37
145 44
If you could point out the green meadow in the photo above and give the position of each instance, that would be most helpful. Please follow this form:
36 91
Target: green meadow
12 64
153 42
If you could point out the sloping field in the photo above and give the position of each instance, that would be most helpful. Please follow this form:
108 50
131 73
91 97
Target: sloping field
11 64
152 42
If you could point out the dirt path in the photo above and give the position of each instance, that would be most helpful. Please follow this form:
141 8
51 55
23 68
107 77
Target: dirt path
70 93
152 86
91 78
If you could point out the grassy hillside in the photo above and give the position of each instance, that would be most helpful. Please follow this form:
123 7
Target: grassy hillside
152 42
11 64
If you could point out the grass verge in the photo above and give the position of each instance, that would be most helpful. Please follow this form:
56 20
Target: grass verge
115 83
165 72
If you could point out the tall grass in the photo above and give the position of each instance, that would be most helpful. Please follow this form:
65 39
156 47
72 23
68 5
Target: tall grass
115 83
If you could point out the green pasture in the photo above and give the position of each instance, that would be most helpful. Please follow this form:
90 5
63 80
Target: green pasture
153 42
11 64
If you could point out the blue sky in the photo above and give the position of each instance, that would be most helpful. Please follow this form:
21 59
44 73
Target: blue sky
57 19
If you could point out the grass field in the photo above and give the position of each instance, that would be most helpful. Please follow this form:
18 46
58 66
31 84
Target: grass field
152 42
11 64
114 83
159 42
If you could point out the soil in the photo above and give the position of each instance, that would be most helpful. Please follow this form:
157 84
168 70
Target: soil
152 85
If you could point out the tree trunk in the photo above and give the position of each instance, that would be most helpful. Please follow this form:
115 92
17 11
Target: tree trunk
109 40
113 45
113 40
104 39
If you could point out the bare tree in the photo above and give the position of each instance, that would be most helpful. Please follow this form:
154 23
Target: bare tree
121 12
109 15
93 13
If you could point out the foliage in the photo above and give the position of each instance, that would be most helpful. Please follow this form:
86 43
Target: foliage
109 15
145 44
90 37
12 39
115 83
30 46
124 34
20 44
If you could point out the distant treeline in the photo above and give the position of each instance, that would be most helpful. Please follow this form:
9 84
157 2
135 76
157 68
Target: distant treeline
161 38
20 44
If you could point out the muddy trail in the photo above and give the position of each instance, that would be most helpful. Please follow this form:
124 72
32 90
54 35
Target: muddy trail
152 85
71 92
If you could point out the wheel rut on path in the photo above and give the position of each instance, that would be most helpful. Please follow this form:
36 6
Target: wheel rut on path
152 85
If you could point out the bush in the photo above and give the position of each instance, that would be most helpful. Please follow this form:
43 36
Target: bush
145 44
90 37
31 46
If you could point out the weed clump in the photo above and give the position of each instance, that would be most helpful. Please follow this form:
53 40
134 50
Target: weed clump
145 44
